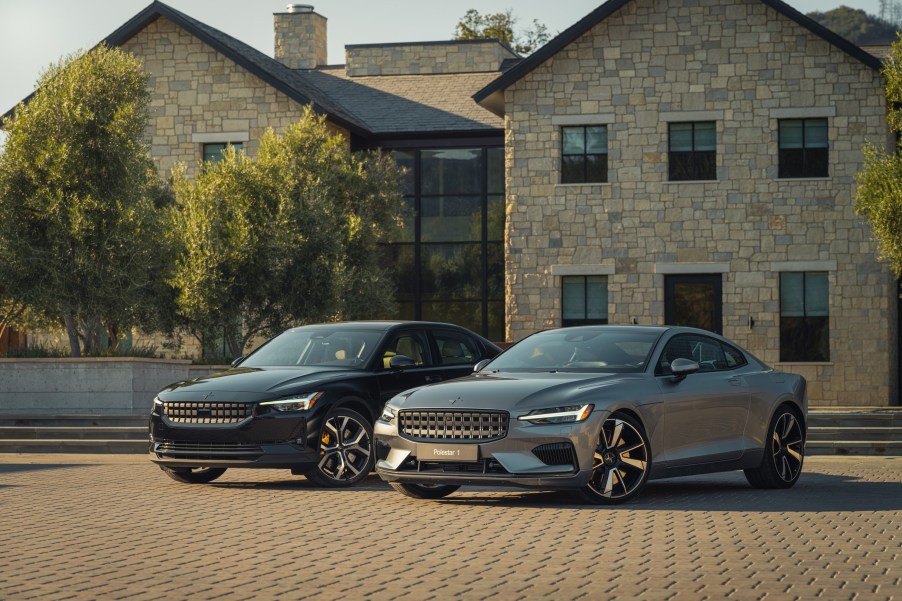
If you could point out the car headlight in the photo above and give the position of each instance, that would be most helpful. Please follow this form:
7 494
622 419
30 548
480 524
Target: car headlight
298 402
157 402
388 414
559 415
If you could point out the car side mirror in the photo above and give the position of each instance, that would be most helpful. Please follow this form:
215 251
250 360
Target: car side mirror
237 362
480 365
683 367
400 362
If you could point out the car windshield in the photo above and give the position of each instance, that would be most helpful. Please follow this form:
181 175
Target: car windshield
580 349
317 346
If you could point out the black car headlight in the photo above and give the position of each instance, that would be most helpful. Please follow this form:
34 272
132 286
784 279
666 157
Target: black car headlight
559 415
298 402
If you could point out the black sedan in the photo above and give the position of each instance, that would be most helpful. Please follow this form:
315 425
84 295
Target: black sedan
602 409
305 401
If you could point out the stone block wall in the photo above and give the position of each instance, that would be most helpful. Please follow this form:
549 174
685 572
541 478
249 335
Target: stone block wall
199 95
300 39
425 58
743 65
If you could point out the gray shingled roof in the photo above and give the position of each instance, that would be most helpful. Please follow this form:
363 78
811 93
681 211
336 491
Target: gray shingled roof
391 104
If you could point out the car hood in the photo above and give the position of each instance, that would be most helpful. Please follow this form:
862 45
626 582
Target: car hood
269 381
512 391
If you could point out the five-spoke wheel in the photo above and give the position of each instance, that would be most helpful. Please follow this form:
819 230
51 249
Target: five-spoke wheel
345 450
784 452
622 462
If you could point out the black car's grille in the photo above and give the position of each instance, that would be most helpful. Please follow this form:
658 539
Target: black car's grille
556 453
207 413
208 450
454 425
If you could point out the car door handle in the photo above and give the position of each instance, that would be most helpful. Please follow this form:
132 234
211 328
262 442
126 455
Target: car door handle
735 381
433 378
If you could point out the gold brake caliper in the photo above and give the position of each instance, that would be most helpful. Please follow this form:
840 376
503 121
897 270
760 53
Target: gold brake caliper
325 440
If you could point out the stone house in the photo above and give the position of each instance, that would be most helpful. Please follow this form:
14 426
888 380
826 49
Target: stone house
688 161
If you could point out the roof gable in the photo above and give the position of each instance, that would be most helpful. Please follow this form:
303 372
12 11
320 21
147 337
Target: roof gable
490 96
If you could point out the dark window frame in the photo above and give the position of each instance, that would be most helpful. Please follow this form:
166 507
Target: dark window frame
804 162
691 165
215 158
585 320
586 157
800 335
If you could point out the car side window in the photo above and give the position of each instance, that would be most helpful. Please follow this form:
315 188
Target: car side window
410 344
733 357
455 348
707 352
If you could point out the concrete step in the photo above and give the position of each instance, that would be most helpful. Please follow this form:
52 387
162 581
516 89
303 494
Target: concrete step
12 445
854 447
74 420
862 417
73 432
829 433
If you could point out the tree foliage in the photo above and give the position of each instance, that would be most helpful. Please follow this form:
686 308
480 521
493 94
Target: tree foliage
78 221
856 25
289 237
476 26
878 197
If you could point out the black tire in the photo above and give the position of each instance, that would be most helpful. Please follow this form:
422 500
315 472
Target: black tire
784 452
622 462
345 450
424 491
193 475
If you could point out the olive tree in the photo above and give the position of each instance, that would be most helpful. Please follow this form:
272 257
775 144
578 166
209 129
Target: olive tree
288 237
79 227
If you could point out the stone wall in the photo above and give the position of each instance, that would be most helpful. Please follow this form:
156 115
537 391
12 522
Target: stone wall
86 386
426 58
743 65
200 96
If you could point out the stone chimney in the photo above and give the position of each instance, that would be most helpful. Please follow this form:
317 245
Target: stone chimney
300 37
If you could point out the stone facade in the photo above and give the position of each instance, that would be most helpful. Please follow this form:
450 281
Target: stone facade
199 96
743 65
426 58
300 39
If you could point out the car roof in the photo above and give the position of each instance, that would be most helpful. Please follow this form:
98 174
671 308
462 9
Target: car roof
376 325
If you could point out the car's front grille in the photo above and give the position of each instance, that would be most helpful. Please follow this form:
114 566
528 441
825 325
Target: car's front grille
454 425
208 450
556 453
207 413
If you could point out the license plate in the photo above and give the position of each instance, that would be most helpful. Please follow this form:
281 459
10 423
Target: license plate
448 452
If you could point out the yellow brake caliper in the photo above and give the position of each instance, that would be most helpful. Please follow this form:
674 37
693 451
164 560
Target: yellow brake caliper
325 440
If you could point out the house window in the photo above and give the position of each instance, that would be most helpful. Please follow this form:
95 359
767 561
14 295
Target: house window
693 151
213 152
584 154
585 300
804 316
803 148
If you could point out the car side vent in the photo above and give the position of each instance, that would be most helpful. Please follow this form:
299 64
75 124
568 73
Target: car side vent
556 453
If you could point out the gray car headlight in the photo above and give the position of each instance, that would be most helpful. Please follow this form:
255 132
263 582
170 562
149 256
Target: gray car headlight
388 414
157 402
299 402
559 415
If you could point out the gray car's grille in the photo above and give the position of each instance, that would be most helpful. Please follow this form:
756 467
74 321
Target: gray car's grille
207 413
454 425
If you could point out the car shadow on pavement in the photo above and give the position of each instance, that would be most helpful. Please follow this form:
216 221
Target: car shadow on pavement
370 483
718 492
10 468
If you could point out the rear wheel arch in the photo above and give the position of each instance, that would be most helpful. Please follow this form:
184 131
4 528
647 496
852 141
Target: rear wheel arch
793 406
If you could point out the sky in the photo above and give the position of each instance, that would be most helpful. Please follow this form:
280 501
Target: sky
37 33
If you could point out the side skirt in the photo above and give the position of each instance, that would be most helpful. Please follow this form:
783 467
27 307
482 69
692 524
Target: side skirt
750 458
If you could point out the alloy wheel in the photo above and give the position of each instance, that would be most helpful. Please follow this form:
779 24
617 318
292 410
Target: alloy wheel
345 448
621 460
787 447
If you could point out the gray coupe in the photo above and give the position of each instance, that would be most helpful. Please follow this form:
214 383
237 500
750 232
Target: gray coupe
602 409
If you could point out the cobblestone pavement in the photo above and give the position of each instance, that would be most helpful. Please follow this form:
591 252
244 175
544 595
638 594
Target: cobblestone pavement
77 527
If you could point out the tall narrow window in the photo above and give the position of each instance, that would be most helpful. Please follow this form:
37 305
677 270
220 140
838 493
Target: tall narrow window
804 148
213 152
804 316
585 300
693 151
584 154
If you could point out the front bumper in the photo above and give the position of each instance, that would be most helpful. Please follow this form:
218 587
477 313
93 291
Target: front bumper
545 456
260 441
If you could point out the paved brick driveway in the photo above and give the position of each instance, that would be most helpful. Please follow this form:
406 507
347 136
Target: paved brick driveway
116 527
